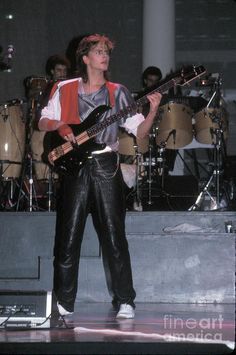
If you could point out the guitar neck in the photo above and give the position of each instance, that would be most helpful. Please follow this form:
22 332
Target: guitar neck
161 89
98 127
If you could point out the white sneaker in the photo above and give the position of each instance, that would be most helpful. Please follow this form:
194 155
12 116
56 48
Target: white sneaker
62 310
126 311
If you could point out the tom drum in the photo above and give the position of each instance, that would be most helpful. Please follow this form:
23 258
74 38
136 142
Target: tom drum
207 122
174 125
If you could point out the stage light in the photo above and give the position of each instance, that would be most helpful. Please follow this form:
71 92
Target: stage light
9 17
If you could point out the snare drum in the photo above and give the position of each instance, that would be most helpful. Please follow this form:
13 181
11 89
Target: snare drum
207 121
12 139
127 144
174 126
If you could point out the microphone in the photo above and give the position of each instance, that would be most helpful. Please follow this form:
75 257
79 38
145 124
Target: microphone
10 50
9 55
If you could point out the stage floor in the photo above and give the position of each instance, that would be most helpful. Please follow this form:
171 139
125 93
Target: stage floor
156 329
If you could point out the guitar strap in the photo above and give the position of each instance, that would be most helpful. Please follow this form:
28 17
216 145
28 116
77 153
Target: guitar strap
111 87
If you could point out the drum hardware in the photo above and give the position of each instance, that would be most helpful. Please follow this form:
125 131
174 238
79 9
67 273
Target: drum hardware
161 159
6 194
50 191
217 170
155 163
152 153
211 127
137 204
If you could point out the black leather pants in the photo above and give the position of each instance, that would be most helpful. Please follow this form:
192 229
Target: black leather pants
97 189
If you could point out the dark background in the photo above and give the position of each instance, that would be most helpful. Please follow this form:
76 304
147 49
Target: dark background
41 28
205 34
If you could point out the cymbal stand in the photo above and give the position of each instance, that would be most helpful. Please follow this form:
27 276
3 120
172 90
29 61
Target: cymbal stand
161 161
31 184
50 192
151 162
137 199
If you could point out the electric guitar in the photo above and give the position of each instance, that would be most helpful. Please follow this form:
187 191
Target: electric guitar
68 158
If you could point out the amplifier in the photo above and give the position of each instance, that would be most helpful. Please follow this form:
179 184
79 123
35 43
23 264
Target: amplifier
25 309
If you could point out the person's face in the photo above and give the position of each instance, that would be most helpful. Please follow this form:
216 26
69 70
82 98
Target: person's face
59 72
151 80
98 57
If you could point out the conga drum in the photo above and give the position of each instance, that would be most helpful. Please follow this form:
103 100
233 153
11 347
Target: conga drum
12 139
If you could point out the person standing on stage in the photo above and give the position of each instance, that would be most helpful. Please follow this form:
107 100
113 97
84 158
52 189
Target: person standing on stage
98 186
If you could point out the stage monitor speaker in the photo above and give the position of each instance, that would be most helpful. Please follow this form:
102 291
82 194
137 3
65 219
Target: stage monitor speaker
25 309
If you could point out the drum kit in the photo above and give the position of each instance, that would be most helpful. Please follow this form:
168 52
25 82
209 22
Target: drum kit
26 182
182 123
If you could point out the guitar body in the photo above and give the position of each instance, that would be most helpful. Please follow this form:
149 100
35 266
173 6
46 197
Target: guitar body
71 163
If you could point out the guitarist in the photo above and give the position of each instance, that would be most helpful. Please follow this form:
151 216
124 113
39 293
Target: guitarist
98 186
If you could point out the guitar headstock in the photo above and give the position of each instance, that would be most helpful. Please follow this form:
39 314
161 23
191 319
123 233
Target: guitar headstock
187 74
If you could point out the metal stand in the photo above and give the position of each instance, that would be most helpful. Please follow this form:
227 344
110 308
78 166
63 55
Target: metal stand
152 150
50 192
137 205
8 186
155 165
214 179
27 171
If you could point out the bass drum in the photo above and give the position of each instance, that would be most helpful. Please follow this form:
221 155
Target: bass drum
12 139
174 125
207 121
41 170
